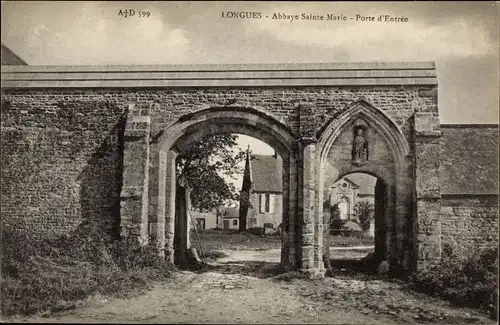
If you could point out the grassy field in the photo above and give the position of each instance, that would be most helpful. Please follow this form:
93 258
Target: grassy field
214 240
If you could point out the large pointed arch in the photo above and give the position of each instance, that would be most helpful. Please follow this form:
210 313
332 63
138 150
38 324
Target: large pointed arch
386 127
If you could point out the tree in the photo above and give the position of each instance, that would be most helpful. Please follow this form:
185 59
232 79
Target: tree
199 167
335 221
364 212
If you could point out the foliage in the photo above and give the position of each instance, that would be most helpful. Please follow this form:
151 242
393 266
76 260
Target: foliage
199 168
335 221
41 275
465 278
364 213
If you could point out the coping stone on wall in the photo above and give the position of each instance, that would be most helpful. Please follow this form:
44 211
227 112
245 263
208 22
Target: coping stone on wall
234 75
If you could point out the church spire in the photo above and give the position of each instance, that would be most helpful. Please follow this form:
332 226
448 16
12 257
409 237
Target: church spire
247 177
246 188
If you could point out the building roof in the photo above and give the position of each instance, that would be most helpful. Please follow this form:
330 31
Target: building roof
353 185
266 172
229 212
469 159
364 182
11 58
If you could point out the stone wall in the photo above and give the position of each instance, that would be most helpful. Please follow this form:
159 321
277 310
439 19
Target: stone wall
339 159
61 160
62 147
469 222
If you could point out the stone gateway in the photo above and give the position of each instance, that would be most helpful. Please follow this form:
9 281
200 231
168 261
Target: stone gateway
99 143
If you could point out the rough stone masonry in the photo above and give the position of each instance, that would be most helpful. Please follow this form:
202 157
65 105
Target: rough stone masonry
98 144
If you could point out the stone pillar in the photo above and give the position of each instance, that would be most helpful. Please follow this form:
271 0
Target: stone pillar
170 193
380 221
134 194
311 226
290 228
157 204
404 214
390 227
285 220
427 188
324 213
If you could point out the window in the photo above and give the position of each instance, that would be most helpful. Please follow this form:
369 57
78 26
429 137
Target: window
266 203
200 223
235 222
344 207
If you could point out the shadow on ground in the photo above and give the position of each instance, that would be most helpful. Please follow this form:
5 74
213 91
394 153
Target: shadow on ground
351 267
263 269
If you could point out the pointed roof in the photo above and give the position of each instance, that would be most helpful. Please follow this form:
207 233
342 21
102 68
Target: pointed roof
266 173
11 58
353 184
365 182
247 174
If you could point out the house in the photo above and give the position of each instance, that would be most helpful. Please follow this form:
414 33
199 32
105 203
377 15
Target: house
220 217
350 190
261 192
206 219
11 58
230 217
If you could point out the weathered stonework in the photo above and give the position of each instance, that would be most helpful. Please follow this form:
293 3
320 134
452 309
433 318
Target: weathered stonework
469 223
427 188
82 145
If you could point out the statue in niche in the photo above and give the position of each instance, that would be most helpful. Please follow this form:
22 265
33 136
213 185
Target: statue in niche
359 147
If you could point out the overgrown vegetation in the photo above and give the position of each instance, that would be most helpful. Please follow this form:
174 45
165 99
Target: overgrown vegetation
40 275
467 278
364 213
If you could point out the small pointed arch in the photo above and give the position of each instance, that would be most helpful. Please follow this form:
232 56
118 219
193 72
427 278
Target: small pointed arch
361 108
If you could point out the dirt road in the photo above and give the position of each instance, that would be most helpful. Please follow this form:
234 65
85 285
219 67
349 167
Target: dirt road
274 255
250 292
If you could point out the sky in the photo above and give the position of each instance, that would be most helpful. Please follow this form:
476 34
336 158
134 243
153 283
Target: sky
461 37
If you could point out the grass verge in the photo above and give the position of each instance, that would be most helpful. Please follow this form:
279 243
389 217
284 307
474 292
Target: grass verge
40 275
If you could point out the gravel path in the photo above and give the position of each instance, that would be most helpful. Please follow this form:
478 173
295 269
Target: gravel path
250 292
